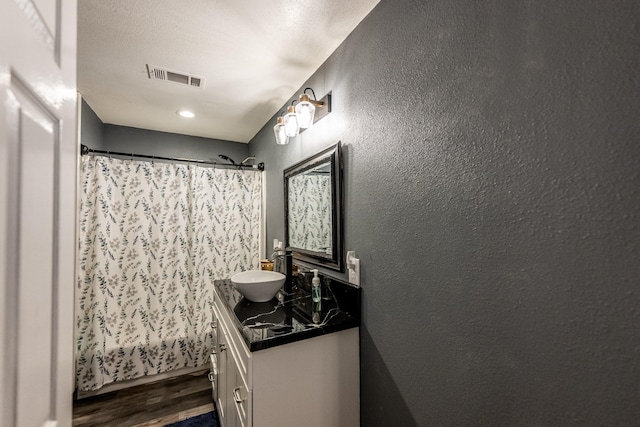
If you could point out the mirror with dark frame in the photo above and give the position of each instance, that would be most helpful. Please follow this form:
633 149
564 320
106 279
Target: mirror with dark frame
313 209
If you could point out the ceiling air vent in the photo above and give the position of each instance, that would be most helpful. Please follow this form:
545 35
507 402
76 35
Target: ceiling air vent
158 73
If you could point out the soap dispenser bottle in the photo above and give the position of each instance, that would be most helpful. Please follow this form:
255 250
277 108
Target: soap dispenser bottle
316 293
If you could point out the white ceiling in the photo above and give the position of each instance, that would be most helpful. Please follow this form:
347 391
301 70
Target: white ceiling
253 54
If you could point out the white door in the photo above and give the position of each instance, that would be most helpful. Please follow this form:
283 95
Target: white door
38 164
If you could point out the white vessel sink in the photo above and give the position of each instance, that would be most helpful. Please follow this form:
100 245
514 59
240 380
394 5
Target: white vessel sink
258 285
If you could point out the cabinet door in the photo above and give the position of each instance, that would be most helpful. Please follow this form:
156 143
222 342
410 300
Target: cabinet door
213 370
223 394
229 378
213 375
239 394
233 399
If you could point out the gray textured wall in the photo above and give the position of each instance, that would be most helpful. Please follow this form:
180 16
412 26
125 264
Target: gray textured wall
143 141
111 137
493 195
91 127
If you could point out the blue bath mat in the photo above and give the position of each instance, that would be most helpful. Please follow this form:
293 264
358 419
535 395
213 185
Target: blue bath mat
210 419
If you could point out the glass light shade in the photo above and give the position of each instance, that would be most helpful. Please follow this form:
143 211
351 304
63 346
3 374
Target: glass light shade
278 130
305 111
291 126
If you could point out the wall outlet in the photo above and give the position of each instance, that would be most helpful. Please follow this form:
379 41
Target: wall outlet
353 266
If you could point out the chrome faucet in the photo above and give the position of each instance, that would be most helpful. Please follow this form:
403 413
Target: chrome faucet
276 258
283 263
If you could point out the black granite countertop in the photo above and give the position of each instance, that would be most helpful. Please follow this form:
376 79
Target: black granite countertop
293 316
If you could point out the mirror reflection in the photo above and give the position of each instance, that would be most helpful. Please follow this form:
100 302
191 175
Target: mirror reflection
310 210
313 226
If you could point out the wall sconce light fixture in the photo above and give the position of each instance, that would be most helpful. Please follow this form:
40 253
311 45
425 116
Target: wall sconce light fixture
278 130
306 108
291 126
305 113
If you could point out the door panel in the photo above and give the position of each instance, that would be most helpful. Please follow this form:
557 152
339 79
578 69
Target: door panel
47 13
37 144
38 175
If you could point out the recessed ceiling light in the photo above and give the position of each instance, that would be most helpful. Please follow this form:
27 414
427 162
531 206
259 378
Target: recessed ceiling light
185 113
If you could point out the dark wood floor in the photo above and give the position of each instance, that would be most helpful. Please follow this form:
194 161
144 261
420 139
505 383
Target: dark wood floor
151 405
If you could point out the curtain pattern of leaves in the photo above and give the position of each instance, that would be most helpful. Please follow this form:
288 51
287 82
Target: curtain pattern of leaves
310 212
153 238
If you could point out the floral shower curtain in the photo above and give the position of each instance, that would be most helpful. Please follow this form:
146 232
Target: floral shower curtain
153 238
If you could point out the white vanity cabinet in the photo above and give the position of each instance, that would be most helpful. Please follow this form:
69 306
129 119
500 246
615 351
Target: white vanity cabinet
310 382
231 392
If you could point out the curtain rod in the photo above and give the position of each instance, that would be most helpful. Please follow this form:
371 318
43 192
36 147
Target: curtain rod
84 150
